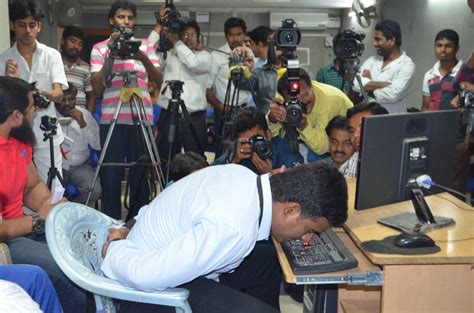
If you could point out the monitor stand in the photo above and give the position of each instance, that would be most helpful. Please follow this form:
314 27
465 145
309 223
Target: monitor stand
421 221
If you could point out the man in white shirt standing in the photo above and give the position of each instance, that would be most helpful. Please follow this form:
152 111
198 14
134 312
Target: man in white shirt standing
388 77
32 61
189 63
207 233
80 132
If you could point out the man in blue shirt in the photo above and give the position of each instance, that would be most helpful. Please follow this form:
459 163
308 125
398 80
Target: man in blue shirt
253 147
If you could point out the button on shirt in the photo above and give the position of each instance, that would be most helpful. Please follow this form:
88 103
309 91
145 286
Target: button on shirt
46 69
77 152
15 157
220 77
192 68
203 225
400 73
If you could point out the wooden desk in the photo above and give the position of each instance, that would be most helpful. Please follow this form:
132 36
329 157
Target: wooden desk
440 282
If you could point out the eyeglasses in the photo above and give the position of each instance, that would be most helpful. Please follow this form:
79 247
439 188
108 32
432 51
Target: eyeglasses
189 35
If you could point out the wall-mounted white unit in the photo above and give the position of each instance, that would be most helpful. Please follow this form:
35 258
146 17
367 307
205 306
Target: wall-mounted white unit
306 20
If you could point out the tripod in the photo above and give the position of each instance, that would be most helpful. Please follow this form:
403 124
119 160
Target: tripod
131 94
48 125
174 106
350 67
230 101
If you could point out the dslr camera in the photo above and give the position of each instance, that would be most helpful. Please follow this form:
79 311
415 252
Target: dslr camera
123 46
294 107
48 123
260 146
348 44
466 99
38 100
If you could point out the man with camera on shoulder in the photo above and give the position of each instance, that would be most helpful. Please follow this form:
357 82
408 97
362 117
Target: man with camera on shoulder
111 60
253 147
187 62
320 103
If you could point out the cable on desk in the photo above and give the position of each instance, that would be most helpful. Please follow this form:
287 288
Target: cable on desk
457 205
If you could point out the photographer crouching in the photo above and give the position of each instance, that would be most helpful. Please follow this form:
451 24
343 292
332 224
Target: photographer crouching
253 147
121 53
189 63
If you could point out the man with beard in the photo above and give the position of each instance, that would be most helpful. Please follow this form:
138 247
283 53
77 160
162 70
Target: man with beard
33 61
80 132
21 185
77 71
340 146
388 77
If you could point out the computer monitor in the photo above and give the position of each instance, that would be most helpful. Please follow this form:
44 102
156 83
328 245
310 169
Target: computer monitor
400 147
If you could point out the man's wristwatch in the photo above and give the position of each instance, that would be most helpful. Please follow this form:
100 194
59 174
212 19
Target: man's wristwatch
38 224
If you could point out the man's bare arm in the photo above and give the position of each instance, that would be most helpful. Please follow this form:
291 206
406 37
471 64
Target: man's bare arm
212 99
90 101
37 195
96 81
56 95
17 227
426 103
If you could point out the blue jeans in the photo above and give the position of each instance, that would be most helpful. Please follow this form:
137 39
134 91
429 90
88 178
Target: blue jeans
30 250
35 282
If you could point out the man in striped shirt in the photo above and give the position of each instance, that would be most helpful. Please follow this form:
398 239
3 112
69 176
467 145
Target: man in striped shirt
77 71
123 143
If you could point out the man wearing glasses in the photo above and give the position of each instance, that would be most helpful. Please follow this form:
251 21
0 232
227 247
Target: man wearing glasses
323 102
189 63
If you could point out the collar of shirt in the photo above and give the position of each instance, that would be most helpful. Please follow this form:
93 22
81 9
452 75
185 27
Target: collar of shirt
39 47
265 226
402 58
453 72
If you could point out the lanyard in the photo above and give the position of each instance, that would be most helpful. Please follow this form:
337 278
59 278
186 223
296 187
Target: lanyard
260 195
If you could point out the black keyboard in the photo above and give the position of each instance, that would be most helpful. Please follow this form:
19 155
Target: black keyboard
324 253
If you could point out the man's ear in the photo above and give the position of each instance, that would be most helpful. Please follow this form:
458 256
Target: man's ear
292 209
16 118
39 27
12 26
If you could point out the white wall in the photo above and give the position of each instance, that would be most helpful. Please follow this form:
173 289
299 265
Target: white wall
420 20
4 26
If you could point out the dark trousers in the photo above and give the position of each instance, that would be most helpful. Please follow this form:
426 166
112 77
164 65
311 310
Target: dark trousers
125 145
253 287
183 137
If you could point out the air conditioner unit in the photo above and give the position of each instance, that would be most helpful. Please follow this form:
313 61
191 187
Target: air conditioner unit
306 20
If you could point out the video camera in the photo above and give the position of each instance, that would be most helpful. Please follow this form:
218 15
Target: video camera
348 44
260 146
48 123
466 99
172 21
123 47
38 100
288 36
236 59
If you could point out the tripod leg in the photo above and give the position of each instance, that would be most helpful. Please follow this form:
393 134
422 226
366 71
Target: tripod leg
104 150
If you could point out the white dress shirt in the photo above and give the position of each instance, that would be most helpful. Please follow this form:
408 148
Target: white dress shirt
13 299
400 73
220 76
46 69
192 68
77 152
203 225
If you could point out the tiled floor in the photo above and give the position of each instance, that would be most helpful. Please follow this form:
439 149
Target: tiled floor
288 305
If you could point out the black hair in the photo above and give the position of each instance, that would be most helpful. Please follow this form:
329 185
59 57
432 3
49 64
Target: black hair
247 119
71 90
283 82
186 163
194 25
13 96
450 35
73 31
124 5
338 122
372 107
319 189
234 22
260 34
21 9
390 29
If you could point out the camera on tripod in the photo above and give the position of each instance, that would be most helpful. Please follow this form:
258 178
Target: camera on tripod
236 59
348 44
48 124
38 100
123 47
176 87
466 99
288 36
260 146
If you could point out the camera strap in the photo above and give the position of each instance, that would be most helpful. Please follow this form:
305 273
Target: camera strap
260 196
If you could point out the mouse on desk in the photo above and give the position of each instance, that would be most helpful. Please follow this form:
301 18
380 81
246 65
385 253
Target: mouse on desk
413 240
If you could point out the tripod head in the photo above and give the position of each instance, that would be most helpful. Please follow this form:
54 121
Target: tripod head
176 87
49 126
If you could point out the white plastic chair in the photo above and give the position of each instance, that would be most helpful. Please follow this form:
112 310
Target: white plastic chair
75 235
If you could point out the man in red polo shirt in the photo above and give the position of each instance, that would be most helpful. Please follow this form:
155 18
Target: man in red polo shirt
20 184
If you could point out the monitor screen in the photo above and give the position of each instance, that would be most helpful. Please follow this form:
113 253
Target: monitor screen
396 148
